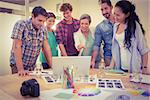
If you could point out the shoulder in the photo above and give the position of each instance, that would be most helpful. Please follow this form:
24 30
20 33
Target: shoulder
74 19
20 23
138 27
115 26
61 23
138 31
78 33
102 24
44 29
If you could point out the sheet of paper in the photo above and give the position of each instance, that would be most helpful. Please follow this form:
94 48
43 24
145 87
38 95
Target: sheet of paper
145 79
109 84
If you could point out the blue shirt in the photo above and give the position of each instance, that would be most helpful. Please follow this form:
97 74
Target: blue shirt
104 33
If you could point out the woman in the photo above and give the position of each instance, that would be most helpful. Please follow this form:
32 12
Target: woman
51 39
83 37
129 48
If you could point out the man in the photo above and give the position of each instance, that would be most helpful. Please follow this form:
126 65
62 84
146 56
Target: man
65 30
29 37
104 32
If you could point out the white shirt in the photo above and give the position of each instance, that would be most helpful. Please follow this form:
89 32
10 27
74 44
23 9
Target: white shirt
124 52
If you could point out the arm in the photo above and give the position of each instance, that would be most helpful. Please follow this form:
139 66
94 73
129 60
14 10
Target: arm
16 48
47 52
97 45
62 49
94 55
78 44
18 57
60 39
142 47
145 63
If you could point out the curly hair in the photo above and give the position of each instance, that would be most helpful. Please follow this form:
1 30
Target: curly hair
66 6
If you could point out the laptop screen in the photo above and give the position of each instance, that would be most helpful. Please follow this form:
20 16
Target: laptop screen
81 63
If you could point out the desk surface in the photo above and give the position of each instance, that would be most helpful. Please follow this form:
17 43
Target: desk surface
10 84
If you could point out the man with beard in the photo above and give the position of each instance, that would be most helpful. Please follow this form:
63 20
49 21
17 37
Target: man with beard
104 33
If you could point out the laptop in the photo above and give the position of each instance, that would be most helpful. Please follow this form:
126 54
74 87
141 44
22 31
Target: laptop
81 63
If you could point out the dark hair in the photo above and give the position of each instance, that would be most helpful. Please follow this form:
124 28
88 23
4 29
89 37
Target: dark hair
86 16
128 7
108 2
65 6
39 11
50 14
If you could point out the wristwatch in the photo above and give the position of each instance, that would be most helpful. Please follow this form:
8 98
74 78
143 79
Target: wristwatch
144 66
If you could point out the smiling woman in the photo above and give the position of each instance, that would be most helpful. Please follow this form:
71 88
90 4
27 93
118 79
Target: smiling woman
83 37
129 47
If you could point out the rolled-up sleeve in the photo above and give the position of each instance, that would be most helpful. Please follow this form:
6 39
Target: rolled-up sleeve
59 31
18 30
44 30
76 40
141 41
98 38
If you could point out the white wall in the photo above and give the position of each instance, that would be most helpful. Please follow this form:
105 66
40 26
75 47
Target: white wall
49 5
92 8
142 9
7 22
149 23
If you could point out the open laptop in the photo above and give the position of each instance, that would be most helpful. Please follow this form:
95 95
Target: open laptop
82 63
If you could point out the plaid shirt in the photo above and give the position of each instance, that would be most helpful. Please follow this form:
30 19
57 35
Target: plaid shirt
32 42
62 30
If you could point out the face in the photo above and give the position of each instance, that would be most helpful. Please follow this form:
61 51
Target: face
38 21
106 10
50 22
119 15
84 25
67 15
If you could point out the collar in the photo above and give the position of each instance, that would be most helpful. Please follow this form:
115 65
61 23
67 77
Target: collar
65 22
108 21
30 25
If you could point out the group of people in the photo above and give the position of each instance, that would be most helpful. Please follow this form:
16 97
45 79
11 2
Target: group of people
121 34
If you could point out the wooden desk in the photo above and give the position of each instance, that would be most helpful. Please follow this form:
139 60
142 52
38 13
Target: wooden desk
10 84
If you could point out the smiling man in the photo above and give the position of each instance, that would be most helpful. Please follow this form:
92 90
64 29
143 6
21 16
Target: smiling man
29 37
104 33
65 30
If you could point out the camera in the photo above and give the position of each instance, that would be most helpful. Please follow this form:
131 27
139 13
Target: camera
30 87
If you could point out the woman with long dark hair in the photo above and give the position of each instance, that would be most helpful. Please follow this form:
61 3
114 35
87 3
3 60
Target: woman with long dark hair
129 48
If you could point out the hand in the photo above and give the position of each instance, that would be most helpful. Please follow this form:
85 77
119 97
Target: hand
80 47
108 67
145 71
23 72
92 64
